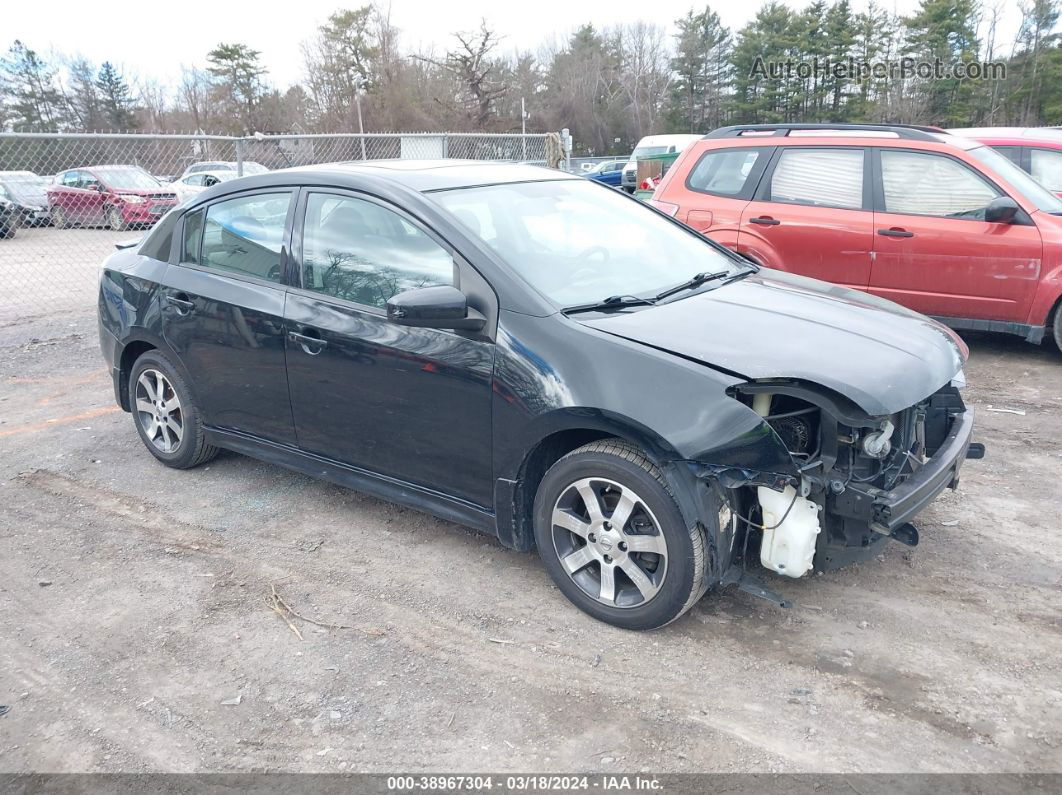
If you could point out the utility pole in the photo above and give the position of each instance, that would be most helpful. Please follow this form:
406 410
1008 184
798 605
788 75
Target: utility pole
361 126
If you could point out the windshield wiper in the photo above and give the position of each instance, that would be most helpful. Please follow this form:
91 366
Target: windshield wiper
612 302
697 280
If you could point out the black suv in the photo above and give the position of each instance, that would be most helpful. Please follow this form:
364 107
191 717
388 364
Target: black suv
545 359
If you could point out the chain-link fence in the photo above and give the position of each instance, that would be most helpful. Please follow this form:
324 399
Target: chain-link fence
66 199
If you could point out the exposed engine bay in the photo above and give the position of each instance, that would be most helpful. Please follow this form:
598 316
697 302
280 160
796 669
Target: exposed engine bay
858 478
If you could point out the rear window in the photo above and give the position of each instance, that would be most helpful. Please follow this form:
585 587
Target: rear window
725 172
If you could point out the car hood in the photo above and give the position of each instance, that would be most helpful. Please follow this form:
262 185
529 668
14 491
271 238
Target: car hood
882 357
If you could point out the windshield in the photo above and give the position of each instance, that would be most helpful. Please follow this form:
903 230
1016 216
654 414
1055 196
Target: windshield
1031 189
127 178
28 187
645 151
578 242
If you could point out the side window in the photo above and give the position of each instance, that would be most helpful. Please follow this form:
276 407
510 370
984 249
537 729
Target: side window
1047 168
195 180
193 237
919 183
246 235
819 177
71 179
1012 153
208 181
723 172
88 181
359 251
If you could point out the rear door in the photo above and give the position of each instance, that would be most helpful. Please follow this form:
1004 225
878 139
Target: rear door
223 312
811 215
933 250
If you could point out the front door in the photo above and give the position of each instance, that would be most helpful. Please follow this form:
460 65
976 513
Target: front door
811 215
933 250
223 312
409 403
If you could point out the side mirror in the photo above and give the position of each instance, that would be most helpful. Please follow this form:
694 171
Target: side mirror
1001 210
434 307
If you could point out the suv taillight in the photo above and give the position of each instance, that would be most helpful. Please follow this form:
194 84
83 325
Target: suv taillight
665 207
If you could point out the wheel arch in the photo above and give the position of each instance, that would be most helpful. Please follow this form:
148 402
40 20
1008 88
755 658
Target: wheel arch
135 345
560 433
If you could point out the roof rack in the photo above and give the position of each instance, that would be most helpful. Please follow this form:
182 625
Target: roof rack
910 131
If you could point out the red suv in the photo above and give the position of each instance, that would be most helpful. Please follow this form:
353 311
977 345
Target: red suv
114 196
939 223
1037 150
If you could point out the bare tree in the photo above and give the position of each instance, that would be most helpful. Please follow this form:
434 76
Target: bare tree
471 63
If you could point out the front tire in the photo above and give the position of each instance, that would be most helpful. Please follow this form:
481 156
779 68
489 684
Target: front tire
612 538
59 219
1056 327
8 229
115 220
165 413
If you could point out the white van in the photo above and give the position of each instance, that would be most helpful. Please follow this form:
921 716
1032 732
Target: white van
653 145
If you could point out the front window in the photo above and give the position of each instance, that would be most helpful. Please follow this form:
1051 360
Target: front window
1046 167
919 183
577 242
127 178
362 252
1032 190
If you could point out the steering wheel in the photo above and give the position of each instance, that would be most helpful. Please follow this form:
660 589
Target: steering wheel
586 253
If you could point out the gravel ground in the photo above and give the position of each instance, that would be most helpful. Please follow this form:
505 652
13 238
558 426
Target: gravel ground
138 634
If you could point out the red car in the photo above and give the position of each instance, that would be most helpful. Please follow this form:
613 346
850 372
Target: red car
114 196
1037 150
939 223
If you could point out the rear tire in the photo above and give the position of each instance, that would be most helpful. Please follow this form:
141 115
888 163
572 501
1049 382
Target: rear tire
641 570
165 413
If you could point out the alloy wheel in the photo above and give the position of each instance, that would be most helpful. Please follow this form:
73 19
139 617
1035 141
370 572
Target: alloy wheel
158 410
609 542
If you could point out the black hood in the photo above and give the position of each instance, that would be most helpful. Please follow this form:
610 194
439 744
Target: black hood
879 355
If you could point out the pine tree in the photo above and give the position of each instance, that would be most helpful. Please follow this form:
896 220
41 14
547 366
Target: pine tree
701 72
34 101
116 99
238 84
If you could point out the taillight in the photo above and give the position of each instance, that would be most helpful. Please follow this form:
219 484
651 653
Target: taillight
665 207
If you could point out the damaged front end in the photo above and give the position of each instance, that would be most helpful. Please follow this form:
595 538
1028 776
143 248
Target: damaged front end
855 480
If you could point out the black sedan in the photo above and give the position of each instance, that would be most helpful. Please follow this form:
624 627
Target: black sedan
545 359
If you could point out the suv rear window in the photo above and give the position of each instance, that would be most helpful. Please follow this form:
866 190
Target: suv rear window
725 172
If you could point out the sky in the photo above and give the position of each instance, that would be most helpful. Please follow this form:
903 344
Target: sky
153 40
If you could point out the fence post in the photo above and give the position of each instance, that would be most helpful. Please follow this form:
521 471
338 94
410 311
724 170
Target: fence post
566 146
239 156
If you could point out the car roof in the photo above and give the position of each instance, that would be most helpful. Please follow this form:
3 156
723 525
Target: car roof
19 174
430 175
1019 136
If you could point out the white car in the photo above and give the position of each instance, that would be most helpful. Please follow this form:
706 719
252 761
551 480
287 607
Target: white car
191 184
249 167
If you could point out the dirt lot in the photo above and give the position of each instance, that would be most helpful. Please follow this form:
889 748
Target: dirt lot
133 615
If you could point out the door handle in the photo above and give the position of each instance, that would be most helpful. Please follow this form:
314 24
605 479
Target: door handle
895 232
184 304
765 220
310 343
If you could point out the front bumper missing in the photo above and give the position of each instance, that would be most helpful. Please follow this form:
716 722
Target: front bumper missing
894 508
